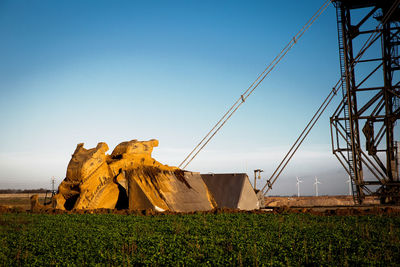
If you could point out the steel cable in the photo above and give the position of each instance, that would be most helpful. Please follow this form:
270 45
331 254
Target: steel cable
252 87
372 38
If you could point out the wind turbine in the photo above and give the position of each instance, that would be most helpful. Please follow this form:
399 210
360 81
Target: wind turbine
298 186
316 185
349 182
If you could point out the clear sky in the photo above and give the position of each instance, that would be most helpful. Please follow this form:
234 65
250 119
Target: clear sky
112 71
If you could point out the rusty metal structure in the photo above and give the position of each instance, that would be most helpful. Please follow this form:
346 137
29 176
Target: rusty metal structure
363 125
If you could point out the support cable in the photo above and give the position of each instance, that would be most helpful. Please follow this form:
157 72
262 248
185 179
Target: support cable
372 38
251 88
301 138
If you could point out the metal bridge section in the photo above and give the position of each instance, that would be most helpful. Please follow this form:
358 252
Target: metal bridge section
363 125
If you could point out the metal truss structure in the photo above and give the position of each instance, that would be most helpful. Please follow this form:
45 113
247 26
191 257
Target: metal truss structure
371 94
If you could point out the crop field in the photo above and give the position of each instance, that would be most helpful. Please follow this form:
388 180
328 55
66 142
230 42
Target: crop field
20 200
206 239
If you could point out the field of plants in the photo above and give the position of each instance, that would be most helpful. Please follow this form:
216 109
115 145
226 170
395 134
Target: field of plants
206 239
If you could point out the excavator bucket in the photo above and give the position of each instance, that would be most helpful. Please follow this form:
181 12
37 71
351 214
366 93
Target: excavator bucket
232 190
129 178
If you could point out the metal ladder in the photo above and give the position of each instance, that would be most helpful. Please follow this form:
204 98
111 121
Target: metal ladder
345 104
395 42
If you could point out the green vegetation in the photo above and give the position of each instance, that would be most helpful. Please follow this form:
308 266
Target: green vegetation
208 239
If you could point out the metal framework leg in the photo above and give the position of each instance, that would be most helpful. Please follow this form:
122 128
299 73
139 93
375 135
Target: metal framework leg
369 99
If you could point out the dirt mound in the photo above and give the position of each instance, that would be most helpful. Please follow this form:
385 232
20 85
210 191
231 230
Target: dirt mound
312 201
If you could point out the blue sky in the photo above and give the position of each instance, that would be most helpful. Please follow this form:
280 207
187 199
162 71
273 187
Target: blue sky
92 71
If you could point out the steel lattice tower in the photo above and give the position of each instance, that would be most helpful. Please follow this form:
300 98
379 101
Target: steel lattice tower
363 125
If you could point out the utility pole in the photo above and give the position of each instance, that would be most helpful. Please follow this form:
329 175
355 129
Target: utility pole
259 171
53 190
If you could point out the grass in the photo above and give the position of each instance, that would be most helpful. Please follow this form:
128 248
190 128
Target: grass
206 239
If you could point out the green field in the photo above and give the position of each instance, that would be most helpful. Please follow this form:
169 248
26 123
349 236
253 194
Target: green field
208 239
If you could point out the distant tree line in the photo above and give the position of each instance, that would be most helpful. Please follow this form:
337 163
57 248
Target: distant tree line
21 191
